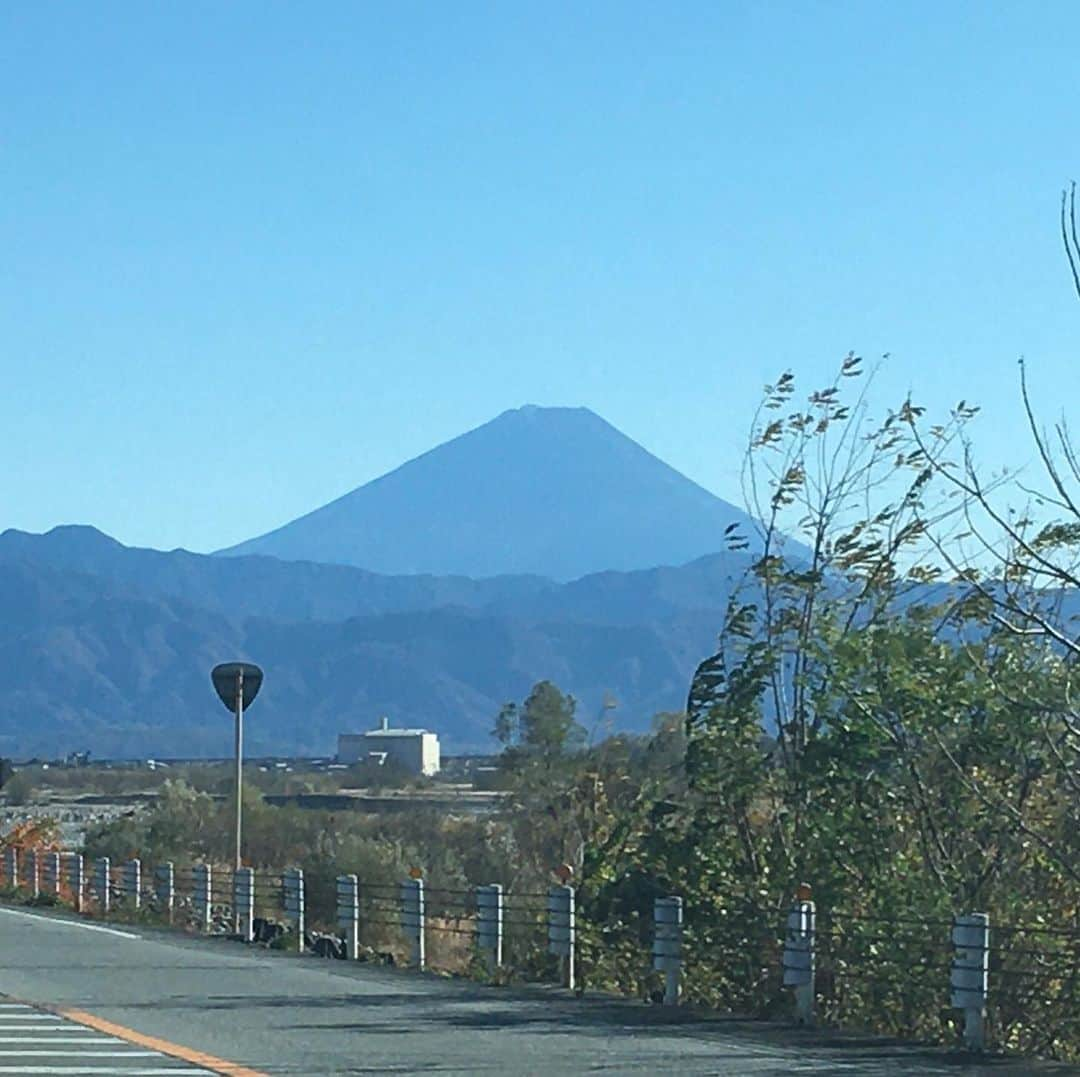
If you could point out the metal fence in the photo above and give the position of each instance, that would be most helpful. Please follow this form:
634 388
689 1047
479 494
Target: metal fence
818 964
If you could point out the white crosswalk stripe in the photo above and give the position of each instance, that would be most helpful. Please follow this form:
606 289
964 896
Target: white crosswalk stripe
35 1041
56 1037
76 1071
31 1028
96 1053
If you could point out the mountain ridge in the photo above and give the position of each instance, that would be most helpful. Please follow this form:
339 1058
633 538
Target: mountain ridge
108 648
259 585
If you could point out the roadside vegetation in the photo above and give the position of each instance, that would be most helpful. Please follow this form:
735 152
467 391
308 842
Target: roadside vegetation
890 718
37 781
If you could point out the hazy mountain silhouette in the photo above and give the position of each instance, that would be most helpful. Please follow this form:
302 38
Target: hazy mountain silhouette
555 492
108 648
255 586
81 668
242 587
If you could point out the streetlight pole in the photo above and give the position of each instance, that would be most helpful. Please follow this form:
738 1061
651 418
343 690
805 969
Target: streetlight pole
239 762
237 684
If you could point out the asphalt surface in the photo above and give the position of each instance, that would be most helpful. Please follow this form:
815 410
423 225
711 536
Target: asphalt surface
37 1041
278 1013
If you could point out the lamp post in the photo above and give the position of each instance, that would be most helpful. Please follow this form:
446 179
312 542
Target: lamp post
237 684
239 763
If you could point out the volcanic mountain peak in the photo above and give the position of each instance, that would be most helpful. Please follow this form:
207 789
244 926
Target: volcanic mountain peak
555 492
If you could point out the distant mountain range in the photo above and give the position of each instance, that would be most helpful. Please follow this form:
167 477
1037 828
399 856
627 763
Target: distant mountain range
544 544
109 648
553 492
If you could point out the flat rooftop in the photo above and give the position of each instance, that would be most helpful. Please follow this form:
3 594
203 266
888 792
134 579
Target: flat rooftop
389 733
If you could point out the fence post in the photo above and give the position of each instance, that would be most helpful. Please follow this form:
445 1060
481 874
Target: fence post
293 900
348 913
244 902
970 974
799 959
561 930
165 887
75 879
11 865
102 887
412 918
132 882
489 924
52 873
202 897
33 872
667 944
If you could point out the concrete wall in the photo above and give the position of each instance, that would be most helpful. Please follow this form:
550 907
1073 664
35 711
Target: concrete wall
417 753
429 754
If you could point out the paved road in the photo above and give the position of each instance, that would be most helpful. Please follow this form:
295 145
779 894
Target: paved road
37 1041
274 1013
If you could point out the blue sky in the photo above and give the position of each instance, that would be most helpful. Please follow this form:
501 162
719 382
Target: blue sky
255 254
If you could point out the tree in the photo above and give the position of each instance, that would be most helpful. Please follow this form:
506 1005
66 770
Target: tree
915 765
543 729
1017 552
18 788
1023 551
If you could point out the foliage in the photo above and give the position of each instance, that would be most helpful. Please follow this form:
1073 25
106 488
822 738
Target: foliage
883 719
18 789
369 774
542 731
42 832
217 778
922 759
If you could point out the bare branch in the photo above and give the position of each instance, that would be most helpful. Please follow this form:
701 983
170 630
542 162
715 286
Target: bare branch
1072 245
1040 443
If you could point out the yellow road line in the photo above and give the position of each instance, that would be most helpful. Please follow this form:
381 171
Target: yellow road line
186 1054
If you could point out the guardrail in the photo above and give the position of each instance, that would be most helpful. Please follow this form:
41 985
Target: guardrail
816 953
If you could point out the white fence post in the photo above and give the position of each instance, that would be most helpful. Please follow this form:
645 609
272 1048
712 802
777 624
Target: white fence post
75 879
412 918
348 913
799 959
969 978
667 944
489 924
132 883
165 887
561 930
103 884
202 898
293 901
11 864
52 873
33 872
244 902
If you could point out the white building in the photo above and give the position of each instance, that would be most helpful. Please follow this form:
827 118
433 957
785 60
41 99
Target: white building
414 750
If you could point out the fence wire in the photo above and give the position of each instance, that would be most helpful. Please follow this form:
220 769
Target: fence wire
872 966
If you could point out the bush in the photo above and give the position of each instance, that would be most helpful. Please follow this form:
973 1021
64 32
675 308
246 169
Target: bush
19 789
